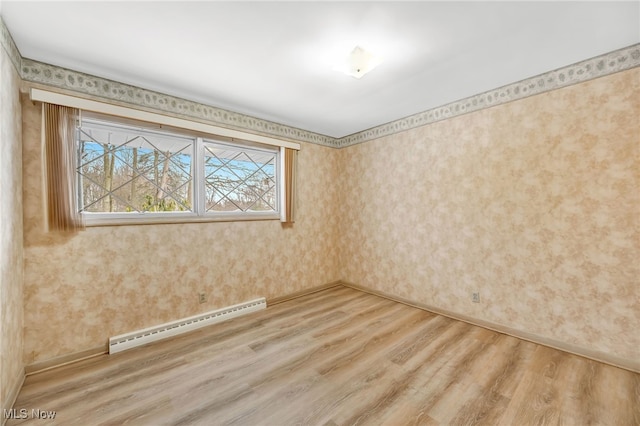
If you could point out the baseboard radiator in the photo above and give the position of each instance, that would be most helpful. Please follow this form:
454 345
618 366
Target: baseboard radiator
162 331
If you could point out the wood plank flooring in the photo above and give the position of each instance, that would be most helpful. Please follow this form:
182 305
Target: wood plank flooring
336 357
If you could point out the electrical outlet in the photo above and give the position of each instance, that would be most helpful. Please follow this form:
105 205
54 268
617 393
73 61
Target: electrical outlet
475 297
202 297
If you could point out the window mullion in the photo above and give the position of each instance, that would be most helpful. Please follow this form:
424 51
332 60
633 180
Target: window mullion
199 194
280 180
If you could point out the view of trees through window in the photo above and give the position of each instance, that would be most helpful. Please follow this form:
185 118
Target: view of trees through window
123 170
129 170
236 180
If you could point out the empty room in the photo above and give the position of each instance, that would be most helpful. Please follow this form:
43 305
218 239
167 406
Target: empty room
320 213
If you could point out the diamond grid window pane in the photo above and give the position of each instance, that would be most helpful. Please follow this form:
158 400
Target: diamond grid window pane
130 170
239 179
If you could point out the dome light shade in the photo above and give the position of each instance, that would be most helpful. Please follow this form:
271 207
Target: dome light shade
358 63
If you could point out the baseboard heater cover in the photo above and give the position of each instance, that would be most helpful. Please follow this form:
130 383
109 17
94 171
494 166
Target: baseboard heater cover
162 331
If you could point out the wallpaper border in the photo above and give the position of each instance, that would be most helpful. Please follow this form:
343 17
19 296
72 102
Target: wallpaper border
589 69
62 78
10 46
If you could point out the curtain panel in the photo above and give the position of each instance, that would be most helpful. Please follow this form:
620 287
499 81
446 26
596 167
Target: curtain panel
288 215
60 124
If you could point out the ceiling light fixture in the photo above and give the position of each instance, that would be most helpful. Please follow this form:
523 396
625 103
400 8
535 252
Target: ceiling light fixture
358 62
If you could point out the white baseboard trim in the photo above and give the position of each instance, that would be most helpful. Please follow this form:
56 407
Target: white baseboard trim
627 364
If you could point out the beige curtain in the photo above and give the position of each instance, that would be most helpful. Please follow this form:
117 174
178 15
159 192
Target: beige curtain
60 162
289 185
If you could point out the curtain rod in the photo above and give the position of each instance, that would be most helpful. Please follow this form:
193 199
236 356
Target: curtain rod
120 111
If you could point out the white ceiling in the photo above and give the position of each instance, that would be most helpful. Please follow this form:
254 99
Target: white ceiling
274 60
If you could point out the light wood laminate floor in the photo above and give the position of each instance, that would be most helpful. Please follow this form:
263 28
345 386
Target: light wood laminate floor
336 357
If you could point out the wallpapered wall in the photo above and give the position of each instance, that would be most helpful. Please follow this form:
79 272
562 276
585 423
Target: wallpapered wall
110 280
11 242
534 204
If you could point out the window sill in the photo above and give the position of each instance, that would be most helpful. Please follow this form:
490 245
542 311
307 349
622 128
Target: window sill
163 219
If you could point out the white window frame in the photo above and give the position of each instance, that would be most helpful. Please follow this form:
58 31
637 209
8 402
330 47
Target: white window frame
251 215
211 131
199 212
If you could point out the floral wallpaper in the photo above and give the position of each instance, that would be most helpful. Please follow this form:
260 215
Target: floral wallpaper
534 204
106 281
11 246
526 194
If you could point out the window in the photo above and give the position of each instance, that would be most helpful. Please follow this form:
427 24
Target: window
140 174
238 179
